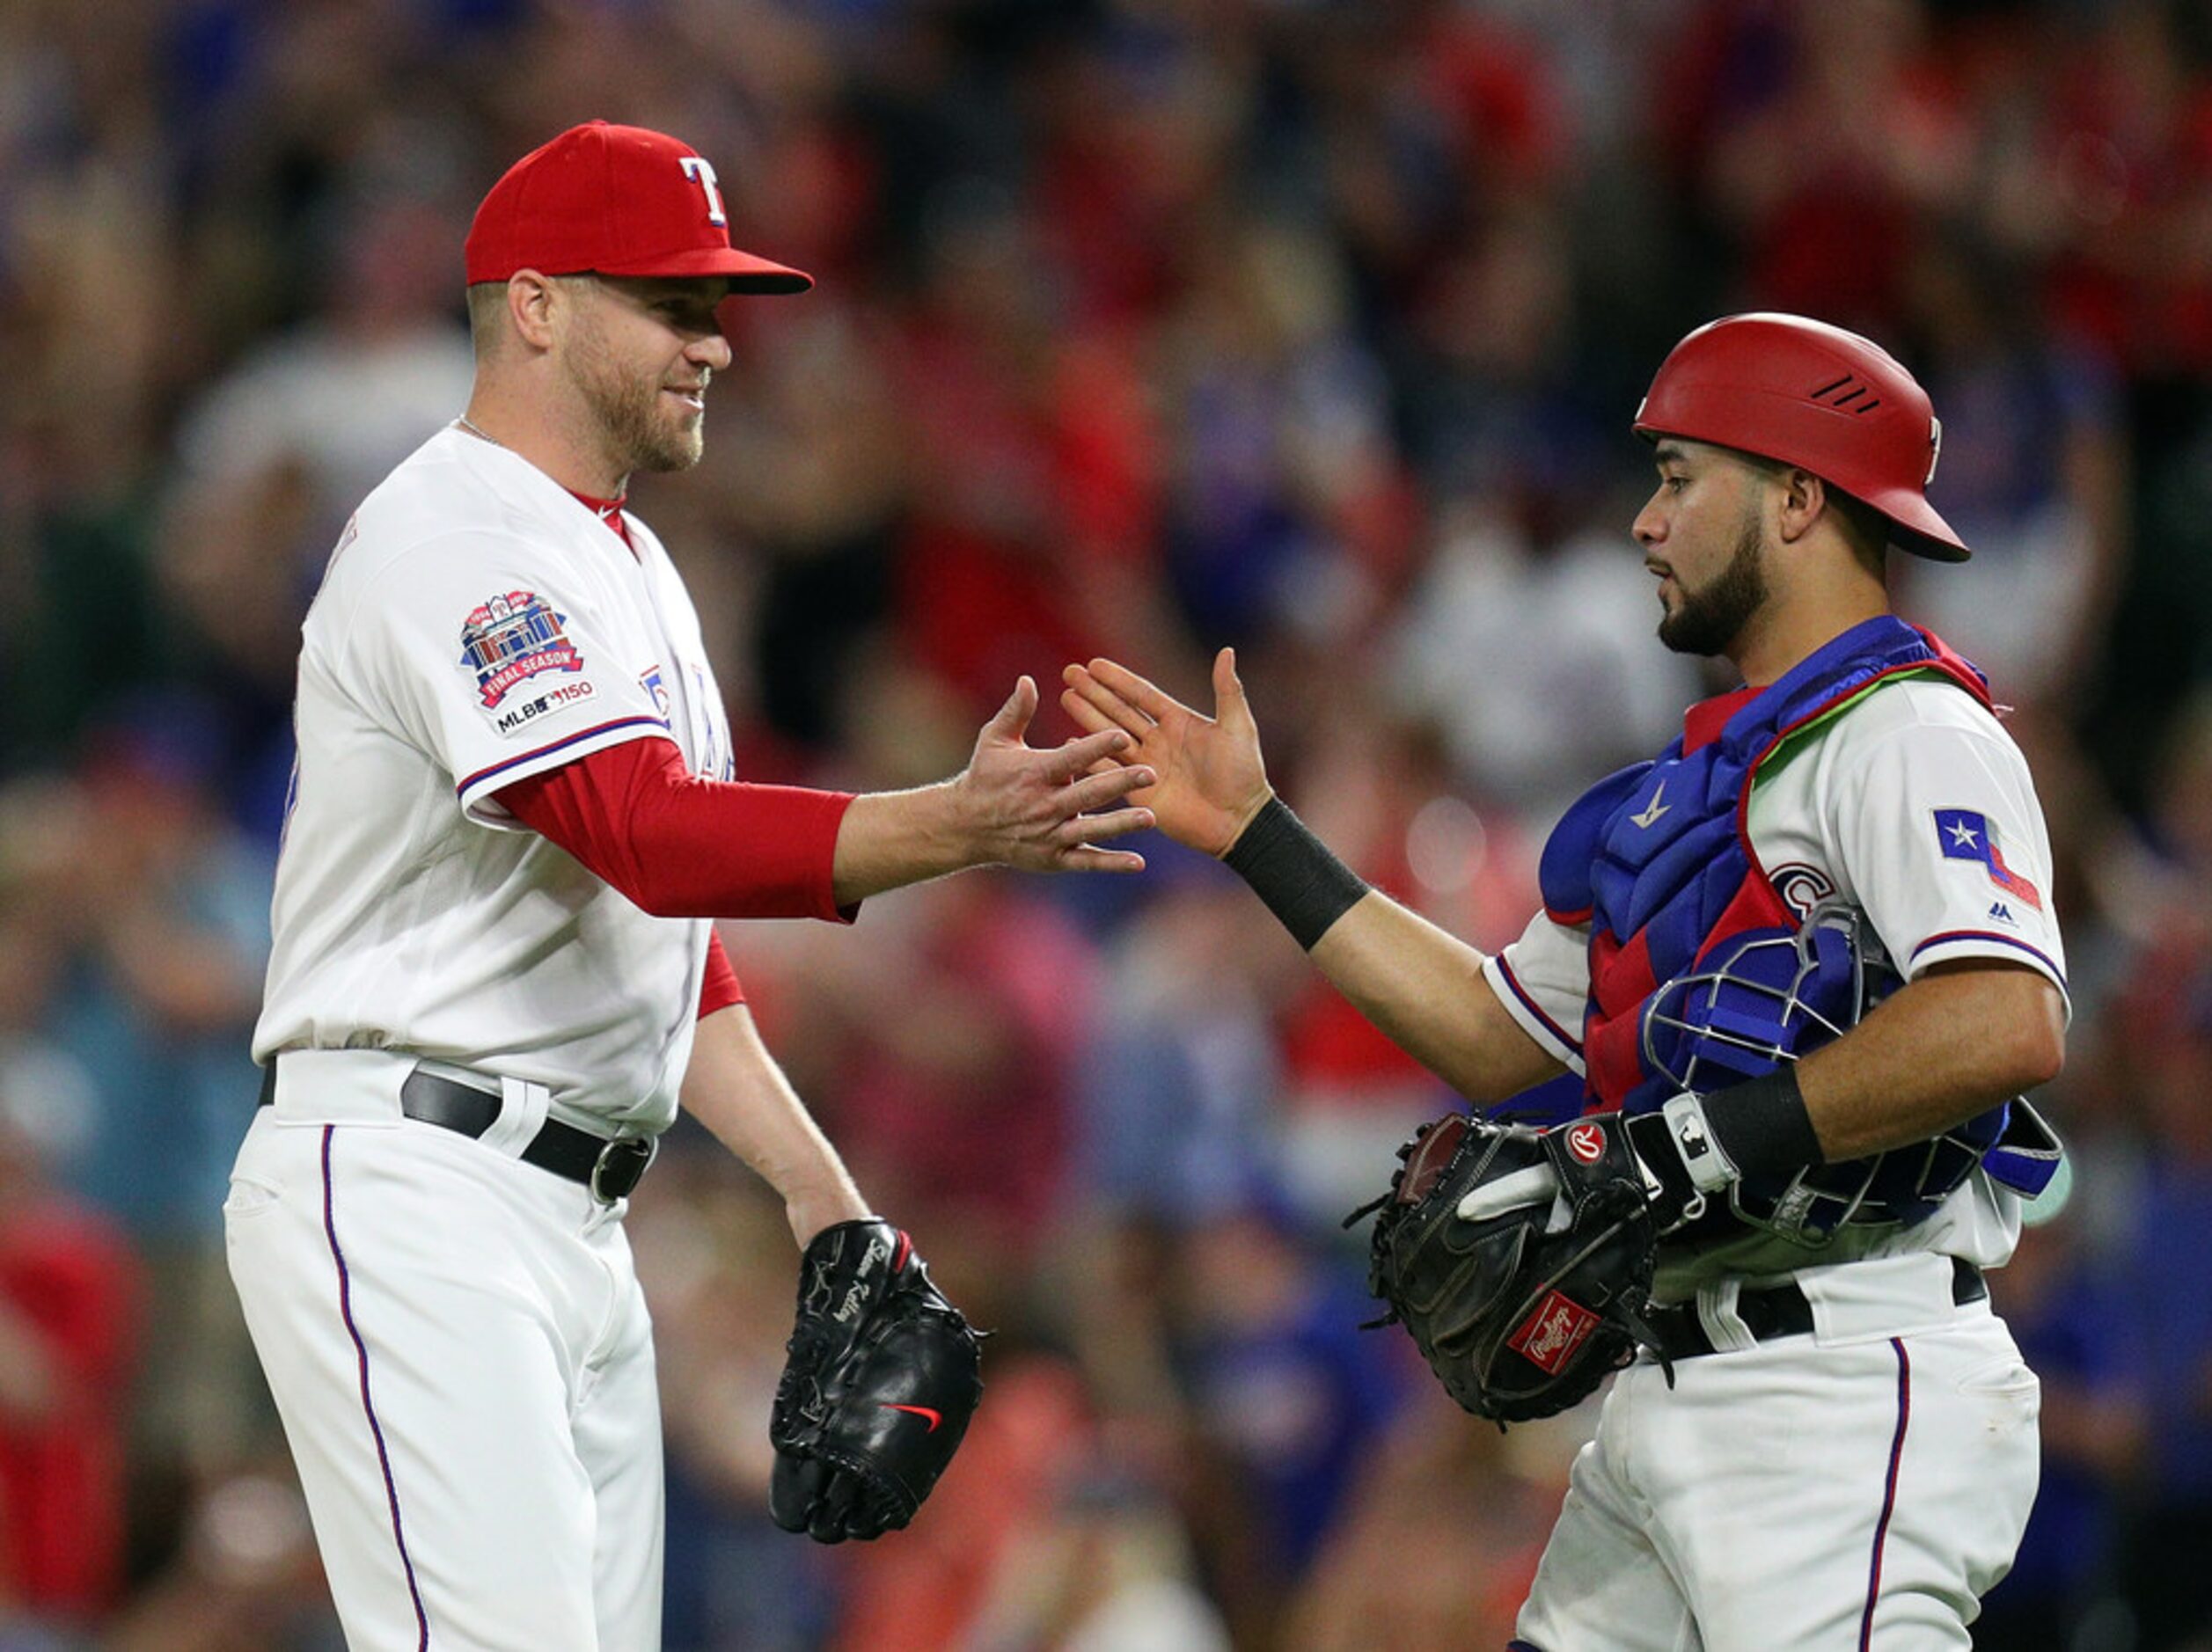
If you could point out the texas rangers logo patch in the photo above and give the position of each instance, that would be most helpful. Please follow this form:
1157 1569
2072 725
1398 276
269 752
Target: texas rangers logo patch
1548 1337
512 638
1968 834
651 681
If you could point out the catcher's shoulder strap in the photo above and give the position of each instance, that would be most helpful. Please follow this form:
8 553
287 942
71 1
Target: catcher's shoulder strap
1798 737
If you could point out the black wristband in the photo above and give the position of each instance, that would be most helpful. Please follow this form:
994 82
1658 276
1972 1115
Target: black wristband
1294 872
1762 1126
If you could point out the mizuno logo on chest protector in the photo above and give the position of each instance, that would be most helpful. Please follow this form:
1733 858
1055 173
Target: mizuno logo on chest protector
1653 810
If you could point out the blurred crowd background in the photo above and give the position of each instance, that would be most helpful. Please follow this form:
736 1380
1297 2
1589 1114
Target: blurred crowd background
1313 327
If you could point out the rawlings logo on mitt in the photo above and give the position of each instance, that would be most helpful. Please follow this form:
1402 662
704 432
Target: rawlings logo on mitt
881 1380
1520 1259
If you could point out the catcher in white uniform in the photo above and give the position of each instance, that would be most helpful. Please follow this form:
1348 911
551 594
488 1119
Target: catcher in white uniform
494 978
1802 966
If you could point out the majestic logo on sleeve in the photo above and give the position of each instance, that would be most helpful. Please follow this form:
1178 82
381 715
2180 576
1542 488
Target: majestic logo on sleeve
1965 835
512 638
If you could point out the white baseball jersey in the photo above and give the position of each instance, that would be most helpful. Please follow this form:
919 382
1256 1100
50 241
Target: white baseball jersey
479 624
1917 807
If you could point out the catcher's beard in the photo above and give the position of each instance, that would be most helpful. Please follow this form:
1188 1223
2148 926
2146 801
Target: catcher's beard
1709 620
639 433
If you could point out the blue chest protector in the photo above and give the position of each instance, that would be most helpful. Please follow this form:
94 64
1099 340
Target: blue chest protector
1700 974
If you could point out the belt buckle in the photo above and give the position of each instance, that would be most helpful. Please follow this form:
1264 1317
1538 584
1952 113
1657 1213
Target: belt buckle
614 1178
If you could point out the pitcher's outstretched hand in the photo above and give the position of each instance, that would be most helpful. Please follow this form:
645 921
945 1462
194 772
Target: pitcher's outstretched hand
1049 809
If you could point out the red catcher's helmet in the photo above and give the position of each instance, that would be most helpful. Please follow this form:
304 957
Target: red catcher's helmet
1810 395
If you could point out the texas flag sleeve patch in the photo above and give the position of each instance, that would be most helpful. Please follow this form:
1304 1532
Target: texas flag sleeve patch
1967 835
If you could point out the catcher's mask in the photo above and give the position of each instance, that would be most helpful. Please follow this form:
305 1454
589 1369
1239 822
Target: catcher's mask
1778 998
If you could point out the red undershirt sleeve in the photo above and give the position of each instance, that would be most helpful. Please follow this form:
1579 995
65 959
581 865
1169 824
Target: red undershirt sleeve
679 845
722 988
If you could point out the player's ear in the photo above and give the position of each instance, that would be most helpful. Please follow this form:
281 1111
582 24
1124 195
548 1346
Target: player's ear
532 300
1802 496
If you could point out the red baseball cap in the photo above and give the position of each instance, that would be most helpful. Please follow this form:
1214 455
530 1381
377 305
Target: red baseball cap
620 200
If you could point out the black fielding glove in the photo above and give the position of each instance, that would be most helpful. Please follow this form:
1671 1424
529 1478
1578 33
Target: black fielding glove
881 1377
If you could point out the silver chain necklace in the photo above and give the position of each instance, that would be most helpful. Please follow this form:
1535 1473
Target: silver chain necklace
462 422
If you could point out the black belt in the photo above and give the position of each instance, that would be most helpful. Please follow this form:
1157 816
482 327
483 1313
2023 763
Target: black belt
610 1169
1773 1310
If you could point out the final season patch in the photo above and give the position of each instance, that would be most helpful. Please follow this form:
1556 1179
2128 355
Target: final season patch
513 638
1967 835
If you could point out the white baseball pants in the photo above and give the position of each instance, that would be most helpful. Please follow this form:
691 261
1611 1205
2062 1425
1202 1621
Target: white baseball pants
462 1361
1861 1487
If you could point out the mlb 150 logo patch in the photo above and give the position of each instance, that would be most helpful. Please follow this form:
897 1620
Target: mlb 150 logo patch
512 638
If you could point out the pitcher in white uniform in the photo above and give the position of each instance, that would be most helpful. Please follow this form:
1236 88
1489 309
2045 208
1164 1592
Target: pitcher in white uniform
494 978
1830 1442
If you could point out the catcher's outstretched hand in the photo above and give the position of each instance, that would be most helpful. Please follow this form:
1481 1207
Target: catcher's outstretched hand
881 1380
1211 779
